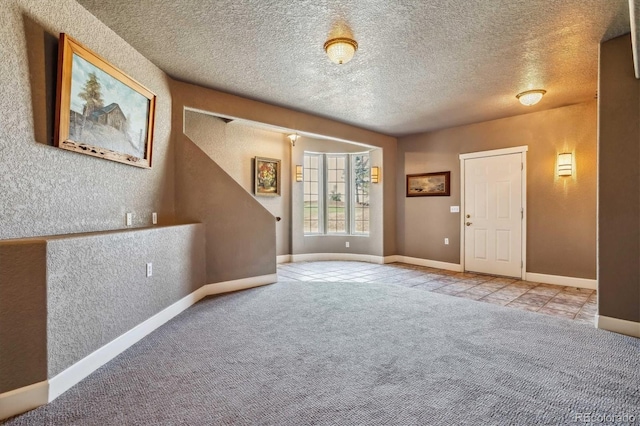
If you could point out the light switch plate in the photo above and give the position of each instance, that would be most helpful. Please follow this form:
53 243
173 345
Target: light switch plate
455 209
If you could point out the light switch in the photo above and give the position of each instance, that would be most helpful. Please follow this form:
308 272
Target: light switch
455 209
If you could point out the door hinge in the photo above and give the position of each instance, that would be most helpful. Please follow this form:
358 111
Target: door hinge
522 213
521 166
521 264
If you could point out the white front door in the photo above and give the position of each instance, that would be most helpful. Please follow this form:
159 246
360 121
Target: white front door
493 213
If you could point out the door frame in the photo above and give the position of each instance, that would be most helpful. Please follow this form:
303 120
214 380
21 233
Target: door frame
494 153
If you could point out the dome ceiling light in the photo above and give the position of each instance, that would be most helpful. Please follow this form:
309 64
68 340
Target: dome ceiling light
530 97
340 50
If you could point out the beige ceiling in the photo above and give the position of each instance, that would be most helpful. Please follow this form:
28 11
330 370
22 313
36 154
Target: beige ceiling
421 65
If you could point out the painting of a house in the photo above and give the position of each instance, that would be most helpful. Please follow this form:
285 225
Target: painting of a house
111 115
105 113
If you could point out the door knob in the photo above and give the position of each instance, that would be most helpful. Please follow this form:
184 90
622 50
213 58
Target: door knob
468 216
468 223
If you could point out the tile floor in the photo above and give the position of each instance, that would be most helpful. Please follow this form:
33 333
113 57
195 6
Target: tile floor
567 302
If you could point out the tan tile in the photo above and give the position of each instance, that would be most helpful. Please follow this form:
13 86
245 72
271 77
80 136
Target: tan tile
465 275
531 299
523 285
509 297
494 301
481 291
585 316
462 286
514 289
447 289
571 297
562 307
577 290
571 305
493 285
556 313
503 280
468 295
523 306
429 286
546 290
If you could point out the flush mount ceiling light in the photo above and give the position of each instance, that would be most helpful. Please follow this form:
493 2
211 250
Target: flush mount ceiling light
340 50
530 97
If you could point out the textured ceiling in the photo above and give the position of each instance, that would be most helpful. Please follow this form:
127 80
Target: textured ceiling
421 65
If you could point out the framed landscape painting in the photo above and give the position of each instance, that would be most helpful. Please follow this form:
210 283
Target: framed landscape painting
100 111
428 184
267 177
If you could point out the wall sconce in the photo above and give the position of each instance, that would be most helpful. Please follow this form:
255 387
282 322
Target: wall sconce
293 137
375 174
299 173
565 164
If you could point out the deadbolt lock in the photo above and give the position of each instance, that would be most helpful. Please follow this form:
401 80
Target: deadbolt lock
468 216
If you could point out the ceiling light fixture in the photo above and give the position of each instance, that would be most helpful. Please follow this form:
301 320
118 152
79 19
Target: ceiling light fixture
340 50
530 97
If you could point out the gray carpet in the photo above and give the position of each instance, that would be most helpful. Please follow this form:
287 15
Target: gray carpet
357 354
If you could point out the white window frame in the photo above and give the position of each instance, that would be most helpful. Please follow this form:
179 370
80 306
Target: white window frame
324 194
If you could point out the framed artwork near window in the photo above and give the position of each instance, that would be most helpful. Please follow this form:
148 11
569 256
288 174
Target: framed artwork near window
429 184
101 111
266 177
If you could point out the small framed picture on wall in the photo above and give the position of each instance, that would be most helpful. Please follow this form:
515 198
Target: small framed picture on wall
266 177
429 184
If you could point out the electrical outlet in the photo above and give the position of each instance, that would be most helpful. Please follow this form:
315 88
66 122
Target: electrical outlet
149 269
346 244
129 219
154 218
446 241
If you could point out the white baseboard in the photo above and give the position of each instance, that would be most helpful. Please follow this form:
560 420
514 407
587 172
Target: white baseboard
283 258
242 284
617 325
81 369
315 257
393 259
429 263
29 397
23 399
560 280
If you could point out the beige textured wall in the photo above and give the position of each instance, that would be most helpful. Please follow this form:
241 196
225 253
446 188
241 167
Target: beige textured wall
561 227
301 244
46 190
233 146
619 175
213 101
23 314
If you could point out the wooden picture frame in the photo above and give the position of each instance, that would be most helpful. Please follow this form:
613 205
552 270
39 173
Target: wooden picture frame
101 111
267 177
429 184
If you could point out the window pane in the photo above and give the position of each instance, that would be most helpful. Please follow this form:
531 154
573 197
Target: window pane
311 206
360 195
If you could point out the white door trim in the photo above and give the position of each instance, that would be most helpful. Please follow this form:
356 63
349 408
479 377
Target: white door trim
492 153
